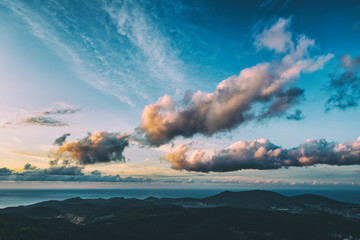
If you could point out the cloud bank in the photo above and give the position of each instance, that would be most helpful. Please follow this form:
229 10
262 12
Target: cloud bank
345 85
262 154
63 173
263 91
99 147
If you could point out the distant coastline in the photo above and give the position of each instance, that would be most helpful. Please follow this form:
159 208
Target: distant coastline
18 197
230 215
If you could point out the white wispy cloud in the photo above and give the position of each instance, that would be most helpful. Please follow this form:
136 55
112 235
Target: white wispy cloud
46 32
133 23
126 57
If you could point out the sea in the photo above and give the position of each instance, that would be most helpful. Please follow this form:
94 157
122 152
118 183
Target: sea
19 197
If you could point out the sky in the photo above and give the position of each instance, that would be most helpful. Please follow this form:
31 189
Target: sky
180 94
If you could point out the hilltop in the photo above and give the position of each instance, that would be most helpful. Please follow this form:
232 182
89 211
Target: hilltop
228 215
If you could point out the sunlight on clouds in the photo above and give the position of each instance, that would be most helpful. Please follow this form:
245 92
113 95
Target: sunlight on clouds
263 91
263 155
140 52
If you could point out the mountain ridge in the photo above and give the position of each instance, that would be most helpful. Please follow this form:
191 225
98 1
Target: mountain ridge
247 215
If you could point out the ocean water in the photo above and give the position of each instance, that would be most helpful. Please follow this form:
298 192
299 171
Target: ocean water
17 197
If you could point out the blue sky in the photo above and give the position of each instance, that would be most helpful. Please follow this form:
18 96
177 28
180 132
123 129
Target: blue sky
174 92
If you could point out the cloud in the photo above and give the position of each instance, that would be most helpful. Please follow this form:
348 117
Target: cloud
346 85
262 154
65 174
283 101
43 121
61 109
99 147
263 91
133 23
60 140
124 33
5 171
6 124
277 37
64 170
42 118
297 115
28 166
350 64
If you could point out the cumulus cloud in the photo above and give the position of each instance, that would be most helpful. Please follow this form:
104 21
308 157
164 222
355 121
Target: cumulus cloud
262 154
346 85
60 140
63 173
262 91
99 147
